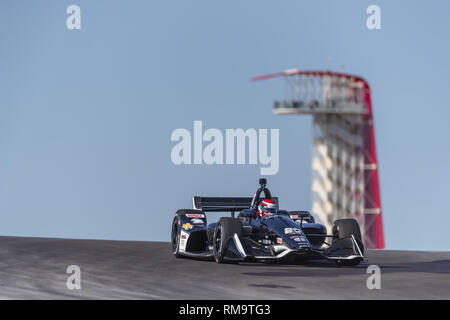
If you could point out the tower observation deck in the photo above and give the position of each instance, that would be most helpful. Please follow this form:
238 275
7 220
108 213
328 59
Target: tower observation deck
345 180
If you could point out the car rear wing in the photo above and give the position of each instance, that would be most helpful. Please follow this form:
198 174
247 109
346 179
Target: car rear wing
223 204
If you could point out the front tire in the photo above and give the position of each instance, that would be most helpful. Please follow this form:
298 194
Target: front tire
225 229
344 228
175 237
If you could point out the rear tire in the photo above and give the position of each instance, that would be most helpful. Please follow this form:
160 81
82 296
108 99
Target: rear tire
225 229
175 237
345 228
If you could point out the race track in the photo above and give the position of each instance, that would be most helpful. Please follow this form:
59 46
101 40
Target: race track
35 268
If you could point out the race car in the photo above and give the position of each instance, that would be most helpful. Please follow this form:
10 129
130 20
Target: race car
261 232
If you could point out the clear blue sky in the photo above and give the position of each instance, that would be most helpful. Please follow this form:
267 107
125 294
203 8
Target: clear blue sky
86 116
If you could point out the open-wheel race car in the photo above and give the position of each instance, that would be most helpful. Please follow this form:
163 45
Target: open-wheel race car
261 232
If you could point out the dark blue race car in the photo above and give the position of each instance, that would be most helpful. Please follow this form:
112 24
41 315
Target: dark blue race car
261 233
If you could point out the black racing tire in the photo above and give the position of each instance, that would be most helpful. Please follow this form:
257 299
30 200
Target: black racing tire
344 228
225 228
175 237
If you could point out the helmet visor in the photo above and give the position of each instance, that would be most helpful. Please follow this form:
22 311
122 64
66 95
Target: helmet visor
269 211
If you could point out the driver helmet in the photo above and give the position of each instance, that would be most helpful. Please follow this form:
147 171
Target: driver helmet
267 207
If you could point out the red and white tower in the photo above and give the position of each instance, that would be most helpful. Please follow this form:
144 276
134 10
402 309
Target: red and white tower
345 180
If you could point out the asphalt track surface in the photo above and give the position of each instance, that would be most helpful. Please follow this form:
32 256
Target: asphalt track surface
35 268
